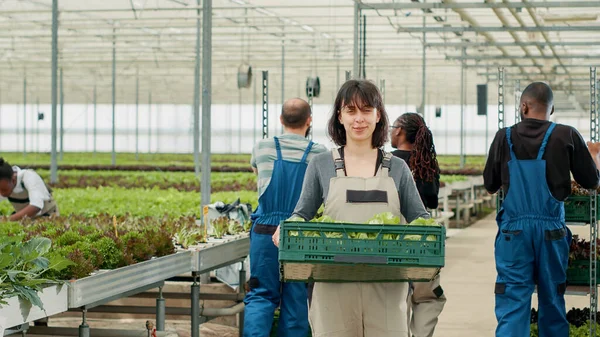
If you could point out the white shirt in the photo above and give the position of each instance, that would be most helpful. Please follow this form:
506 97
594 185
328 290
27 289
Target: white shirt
35 186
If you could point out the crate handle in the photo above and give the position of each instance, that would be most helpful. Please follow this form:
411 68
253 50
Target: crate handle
360 259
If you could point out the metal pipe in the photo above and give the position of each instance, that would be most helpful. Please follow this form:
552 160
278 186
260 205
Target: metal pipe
95 119
62 116
462 113
255 116
37 121
206 100
424 70
545 57
160 311
197 98
149 122
195 290
137 114
499 29
465 5
282 77
25 116
508 44
355 46
114 99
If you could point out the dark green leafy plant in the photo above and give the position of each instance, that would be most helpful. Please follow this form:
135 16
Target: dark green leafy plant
25 266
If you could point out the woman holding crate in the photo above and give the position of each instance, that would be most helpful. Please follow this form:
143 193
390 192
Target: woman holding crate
355 182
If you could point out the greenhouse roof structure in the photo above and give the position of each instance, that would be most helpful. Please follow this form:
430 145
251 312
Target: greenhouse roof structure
159 42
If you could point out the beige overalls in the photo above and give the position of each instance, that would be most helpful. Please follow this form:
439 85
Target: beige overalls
360 309
20 200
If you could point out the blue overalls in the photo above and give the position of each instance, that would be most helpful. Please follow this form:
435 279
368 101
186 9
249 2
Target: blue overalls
266 291
531 248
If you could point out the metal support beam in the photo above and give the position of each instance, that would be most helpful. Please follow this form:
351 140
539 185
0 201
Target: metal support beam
457 29
137 114
424 70
95 118
465 5
265 104
25 116
382 89
255 115
310 103
520 57
62 116
54 94
501 123
517 100
356 58
149 122
197 96
507 44
593 107
114 98
462 114
206 100
195 299
282 76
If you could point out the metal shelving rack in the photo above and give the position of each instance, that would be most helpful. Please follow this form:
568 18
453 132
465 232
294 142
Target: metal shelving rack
595 137
593 208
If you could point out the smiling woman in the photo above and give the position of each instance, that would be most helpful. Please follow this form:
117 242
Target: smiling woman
355 182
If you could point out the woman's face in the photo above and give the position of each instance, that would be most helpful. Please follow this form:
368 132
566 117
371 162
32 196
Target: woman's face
359 121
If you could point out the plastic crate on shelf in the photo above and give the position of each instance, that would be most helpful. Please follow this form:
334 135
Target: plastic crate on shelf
577 208
336 252
578 272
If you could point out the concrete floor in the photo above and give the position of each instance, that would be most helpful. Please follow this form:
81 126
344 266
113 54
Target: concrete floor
468 281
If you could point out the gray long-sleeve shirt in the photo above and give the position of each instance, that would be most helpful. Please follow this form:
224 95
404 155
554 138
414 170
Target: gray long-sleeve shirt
320 171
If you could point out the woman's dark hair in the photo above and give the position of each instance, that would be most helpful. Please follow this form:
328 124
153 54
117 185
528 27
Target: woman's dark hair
423 159
6 171
360 93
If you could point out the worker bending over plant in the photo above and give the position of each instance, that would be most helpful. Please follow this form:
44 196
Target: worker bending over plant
280 163
355 182
26 191
414 143
532 161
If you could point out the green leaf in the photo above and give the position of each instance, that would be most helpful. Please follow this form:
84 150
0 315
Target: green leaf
39 245
41 263
58 263
13 274
5 261
29 295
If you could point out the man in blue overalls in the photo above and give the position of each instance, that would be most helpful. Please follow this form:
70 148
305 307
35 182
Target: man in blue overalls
536 158
280 164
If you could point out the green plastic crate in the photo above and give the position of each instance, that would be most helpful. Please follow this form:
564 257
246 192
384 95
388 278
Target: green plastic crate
330 252
577 208
578 272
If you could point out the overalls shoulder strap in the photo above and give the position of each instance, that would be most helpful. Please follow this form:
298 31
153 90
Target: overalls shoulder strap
510 144
338 163
385 164
278 148
307 151
545 141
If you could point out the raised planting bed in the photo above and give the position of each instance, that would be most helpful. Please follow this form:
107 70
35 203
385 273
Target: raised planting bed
17 311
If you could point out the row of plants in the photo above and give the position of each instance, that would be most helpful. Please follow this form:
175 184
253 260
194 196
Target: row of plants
105 158
164 159
181 181
136 202
44 251
578 322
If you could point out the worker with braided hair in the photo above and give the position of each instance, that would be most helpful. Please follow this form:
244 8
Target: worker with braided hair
414 143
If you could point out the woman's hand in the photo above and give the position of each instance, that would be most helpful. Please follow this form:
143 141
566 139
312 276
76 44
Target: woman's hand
276 237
